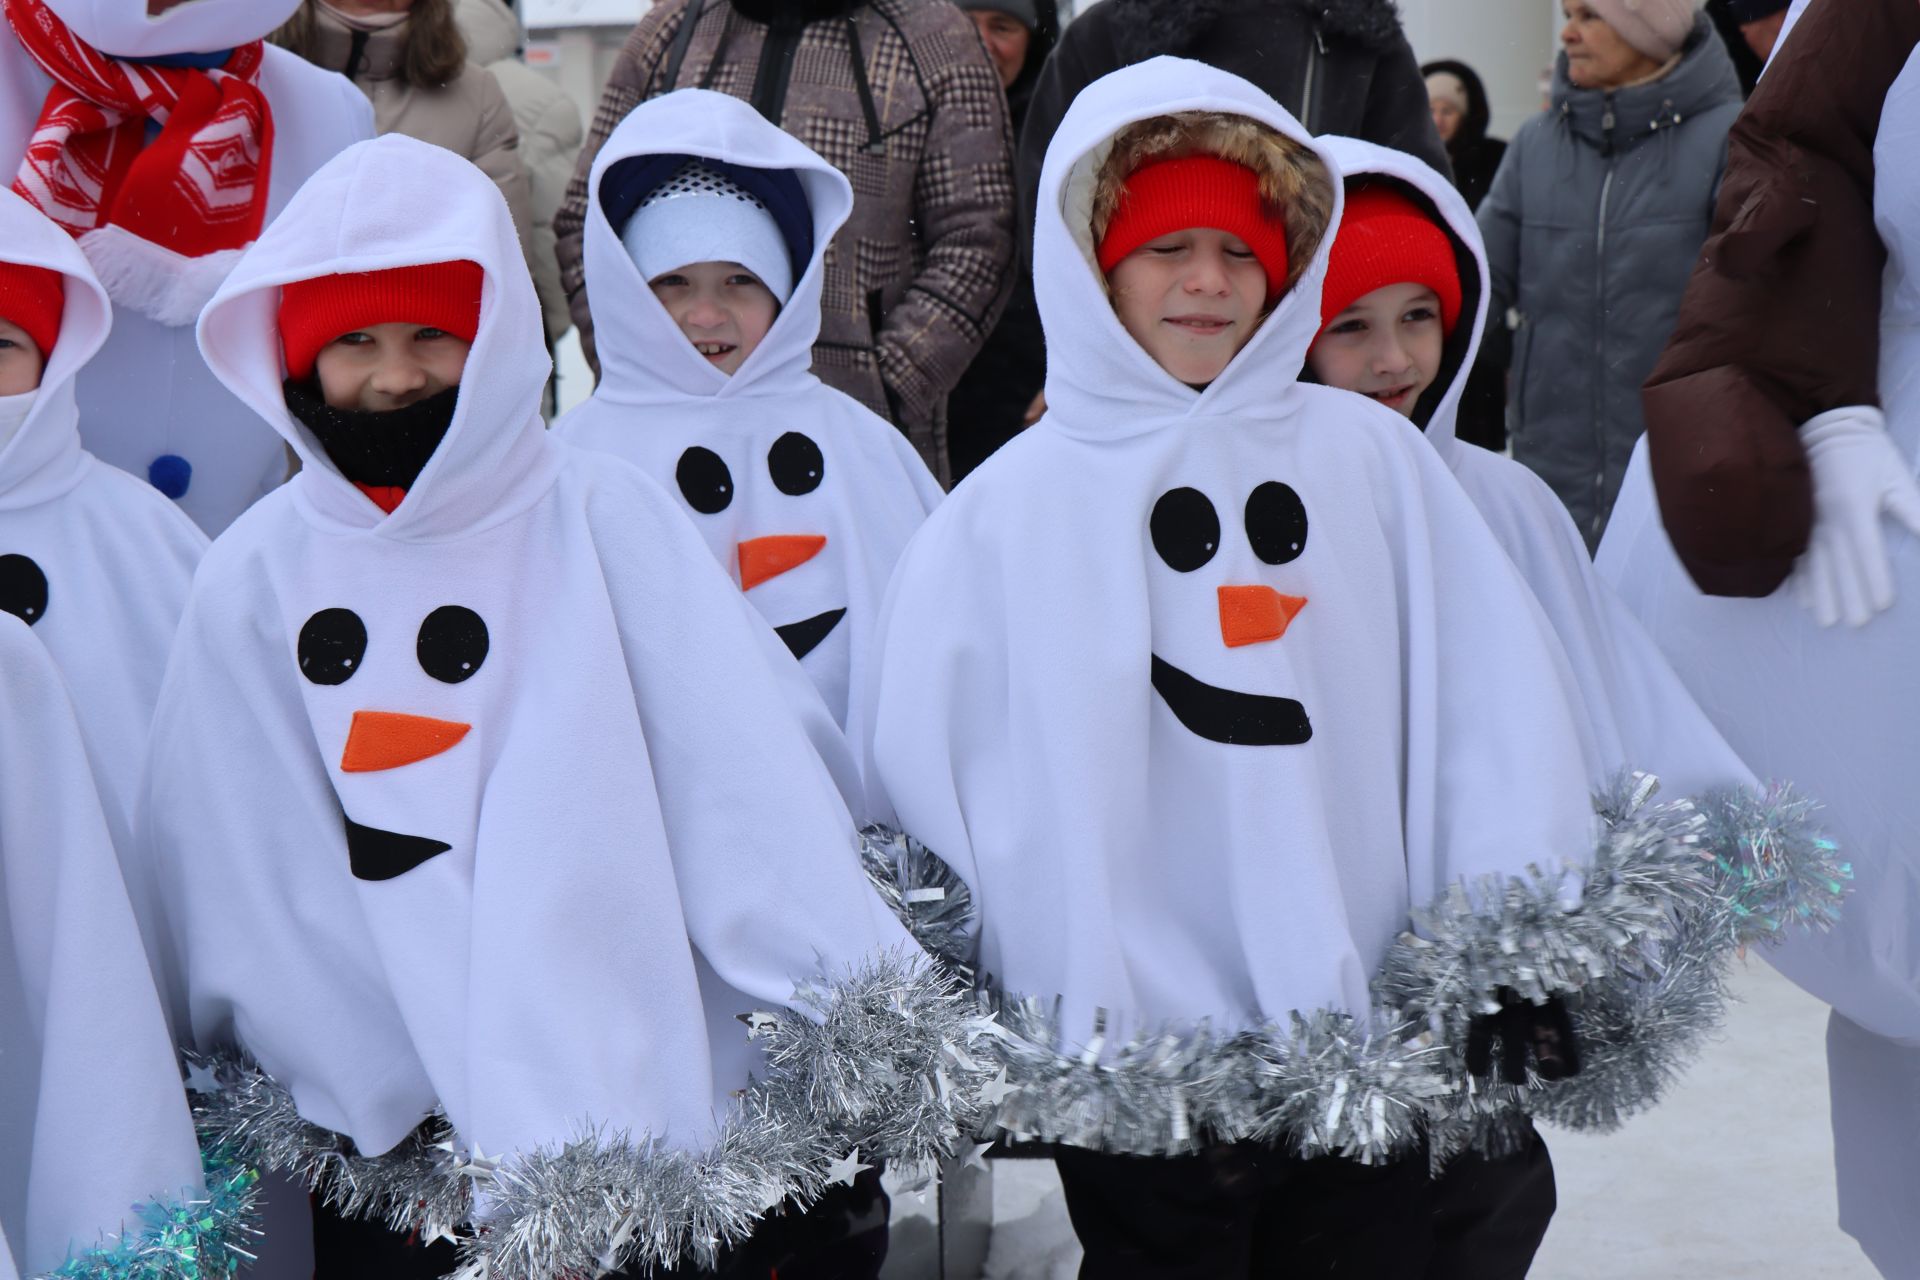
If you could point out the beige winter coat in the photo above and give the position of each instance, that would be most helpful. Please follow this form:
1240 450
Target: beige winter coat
550 136
469 115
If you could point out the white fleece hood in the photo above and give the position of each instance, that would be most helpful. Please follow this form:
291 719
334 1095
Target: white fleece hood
95 561
1635 712
123 29
1202 690
805 497
495 802
93 1120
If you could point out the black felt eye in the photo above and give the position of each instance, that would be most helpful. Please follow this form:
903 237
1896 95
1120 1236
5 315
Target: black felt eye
23 589
453 643
1276 522
1186 529
704 481
332 645
796 464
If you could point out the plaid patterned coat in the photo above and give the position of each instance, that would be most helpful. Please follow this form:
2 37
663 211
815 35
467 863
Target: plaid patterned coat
917 121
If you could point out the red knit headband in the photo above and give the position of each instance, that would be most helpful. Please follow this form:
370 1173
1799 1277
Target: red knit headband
443 295
1197 191
1386 239
33 298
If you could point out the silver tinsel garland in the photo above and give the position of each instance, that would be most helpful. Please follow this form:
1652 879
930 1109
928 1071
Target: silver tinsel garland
886 1072
202 1237
934 904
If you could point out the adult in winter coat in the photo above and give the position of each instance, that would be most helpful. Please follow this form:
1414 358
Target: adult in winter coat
899 96
148 403
411 61
1594 220
1340 66
94 1118
550 134
989 406
1783 425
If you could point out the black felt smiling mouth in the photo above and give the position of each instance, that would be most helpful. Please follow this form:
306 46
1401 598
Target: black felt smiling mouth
1222 715
804 637
374 854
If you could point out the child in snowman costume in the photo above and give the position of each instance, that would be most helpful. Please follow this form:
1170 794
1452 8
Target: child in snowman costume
476 792
96 562
1402 311
97 1154
161 135
706 232
1203 684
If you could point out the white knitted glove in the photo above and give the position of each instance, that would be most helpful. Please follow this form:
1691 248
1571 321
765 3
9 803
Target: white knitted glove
1858 476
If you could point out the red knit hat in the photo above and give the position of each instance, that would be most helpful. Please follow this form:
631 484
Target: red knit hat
445 295
33 298
1385 239
1166 196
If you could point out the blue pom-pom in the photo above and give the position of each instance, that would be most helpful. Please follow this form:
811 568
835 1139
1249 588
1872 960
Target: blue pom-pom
170 474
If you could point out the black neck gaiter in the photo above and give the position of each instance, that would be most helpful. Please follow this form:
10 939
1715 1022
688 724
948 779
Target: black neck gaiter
384 450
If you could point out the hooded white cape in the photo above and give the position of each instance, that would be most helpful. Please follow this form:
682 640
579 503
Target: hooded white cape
93 1120
149 394
555 918
1119 857
1635 712
1838 710
111 560
658 400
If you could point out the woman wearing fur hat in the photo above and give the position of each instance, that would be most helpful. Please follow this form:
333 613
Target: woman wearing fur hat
1593 222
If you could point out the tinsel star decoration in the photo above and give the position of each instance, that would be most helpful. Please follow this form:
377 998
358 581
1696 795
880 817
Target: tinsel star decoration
846 1169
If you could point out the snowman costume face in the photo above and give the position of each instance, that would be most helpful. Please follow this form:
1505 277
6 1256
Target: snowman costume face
1635 713
804 496
97 563
90 1099
1190 686
495 802
149 405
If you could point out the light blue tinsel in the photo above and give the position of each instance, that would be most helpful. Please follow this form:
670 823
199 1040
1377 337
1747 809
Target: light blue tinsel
206 1237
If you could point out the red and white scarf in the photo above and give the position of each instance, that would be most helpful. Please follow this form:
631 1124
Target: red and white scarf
161 221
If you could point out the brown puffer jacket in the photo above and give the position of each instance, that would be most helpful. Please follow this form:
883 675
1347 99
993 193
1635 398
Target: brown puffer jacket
1781 319
898 95
468 115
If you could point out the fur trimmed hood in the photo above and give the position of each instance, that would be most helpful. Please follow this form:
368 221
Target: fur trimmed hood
1143 28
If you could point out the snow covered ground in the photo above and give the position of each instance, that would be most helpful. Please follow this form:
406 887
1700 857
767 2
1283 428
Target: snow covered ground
1730 1178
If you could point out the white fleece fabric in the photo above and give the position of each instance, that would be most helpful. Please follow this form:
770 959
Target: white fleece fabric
1127 861
149 395
93 1119
619 837
1635 711
110 560
658 400
1836 709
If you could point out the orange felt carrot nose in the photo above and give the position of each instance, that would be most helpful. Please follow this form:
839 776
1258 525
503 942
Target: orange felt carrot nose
386 740
1253 615
763 558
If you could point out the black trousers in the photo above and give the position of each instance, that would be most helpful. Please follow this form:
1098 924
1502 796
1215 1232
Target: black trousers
1247 1211
1489 1216
842 1236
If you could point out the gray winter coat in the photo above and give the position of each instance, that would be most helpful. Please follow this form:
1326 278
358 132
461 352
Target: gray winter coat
1592 227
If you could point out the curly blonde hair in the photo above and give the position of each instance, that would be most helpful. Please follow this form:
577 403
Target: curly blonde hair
1294 184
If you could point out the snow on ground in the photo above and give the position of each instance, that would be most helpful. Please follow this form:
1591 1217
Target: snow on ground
1730 1178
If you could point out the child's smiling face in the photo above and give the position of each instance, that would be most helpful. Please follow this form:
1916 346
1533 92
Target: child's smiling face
1191 299
721 307
1387 346
20 360
383 367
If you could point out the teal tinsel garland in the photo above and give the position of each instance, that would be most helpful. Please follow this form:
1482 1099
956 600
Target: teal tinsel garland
202 1238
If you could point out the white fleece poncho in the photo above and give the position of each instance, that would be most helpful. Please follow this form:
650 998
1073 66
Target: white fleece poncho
97 562
149 403
804 495
1837 709
493 804
1158 822
93 1121
1635 712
